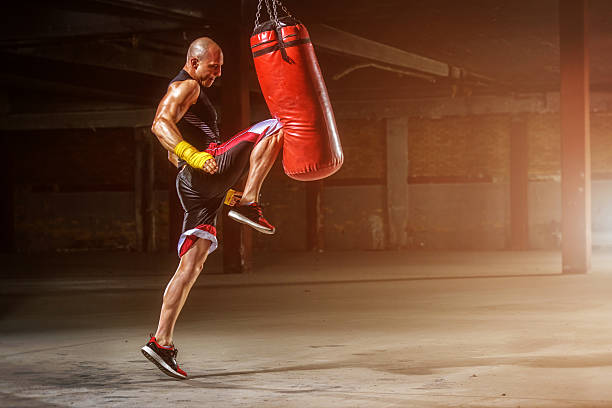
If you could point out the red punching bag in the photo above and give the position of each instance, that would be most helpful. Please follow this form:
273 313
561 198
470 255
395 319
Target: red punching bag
294 90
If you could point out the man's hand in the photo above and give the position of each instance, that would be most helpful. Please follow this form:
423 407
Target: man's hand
210 166
196 159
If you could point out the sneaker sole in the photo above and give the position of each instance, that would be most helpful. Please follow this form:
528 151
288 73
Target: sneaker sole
244 220
160 363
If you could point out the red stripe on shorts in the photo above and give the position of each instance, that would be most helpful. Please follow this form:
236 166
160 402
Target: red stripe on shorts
191 239
246 136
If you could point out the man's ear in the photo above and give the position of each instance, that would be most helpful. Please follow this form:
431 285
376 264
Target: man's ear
194 63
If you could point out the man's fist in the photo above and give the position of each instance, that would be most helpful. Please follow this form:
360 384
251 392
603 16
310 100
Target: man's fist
210 166
196 159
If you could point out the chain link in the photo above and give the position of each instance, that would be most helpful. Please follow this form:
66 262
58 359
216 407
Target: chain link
272 11
268 7
275 13
258 14
284 8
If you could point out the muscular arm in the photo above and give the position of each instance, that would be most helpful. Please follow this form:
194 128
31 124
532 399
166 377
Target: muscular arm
173 158
180 96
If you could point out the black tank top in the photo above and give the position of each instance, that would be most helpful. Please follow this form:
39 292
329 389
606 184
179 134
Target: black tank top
199 124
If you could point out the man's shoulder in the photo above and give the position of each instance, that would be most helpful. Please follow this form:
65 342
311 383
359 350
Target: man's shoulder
188 88
186 84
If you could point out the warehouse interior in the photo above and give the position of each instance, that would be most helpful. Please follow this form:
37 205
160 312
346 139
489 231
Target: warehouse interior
462 255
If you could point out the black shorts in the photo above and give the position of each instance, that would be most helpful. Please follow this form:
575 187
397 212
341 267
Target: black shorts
202 194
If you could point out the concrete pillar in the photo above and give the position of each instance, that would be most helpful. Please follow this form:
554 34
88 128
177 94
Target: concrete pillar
314 216
575 137
235 116
144 200
7 204
397 181
519 179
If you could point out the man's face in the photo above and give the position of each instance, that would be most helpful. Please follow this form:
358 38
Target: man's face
209 68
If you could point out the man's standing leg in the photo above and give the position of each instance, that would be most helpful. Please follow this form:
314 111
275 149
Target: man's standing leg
178 288
159 349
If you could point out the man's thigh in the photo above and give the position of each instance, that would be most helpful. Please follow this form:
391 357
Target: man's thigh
233 156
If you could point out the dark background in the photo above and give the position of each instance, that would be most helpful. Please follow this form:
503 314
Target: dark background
81 79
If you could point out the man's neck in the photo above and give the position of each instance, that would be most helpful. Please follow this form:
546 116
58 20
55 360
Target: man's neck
190 71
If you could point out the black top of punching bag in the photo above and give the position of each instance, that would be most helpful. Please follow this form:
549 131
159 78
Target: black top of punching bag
199 124
270 25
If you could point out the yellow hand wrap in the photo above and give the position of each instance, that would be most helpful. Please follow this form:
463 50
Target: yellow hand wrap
229 196
191 155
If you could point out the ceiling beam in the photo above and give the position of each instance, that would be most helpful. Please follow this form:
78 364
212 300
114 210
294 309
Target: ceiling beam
342 42
75 23
78 120
109 55
21 83
438 107
155 8
135 59
44 26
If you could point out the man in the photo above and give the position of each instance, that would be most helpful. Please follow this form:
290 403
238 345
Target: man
186 126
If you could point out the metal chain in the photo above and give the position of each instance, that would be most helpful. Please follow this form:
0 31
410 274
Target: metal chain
275 13
268 7
258 14
284 8
272 11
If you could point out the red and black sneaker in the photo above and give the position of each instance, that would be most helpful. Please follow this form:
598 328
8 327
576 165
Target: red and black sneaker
164 358
252 216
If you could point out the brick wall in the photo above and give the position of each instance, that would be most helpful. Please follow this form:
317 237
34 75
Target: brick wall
601 145
453 161
544 145
74 190
354 212
363 144
474 147
459 174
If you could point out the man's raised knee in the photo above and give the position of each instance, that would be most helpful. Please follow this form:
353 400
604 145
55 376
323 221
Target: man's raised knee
278 136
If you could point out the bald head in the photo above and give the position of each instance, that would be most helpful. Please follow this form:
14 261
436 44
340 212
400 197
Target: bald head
201 47
204 61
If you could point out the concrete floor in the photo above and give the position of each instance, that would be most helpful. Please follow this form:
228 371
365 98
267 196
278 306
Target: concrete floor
360 329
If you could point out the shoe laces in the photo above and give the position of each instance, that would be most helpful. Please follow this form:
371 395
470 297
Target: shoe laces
257 208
